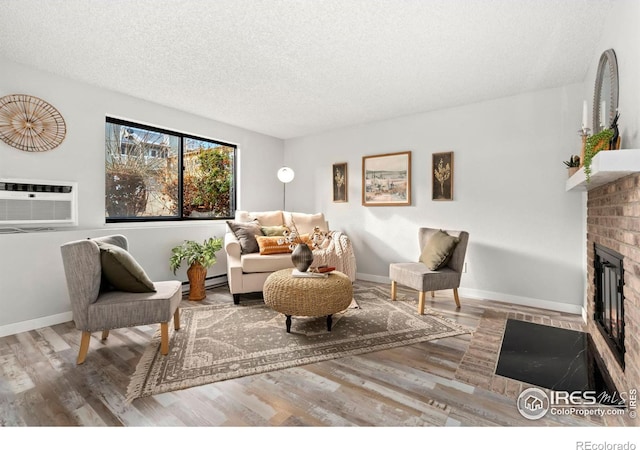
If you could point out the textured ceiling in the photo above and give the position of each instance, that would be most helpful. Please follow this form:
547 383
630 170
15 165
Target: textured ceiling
290 68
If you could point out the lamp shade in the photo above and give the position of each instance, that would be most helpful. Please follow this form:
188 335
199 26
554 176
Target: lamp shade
285 174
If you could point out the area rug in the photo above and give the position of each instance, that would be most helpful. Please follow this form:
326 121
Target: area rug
222 341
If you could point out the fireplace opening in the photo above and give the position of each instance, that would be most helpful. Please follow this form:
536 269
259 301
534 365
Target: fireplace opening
609 299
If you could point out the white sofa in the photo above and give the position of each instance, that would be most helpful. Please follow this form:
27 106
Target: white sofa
247 272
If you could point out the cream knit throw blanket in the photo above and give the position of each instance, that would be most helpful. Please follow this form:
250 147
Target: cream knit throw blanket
337 253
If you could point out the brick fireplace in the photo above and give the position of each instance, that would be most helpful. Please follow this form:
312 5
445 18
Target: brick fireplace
613 222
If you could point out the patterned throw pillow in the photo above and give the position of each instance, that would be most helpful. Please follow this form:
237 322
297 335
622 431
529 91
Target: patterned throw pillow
269 245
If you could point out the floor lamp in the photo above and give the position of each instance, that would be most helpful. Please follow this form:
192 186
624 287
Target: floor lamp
285 175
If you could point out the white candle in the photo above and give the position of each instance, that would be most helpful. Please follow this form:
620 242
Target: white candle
585 119
603 113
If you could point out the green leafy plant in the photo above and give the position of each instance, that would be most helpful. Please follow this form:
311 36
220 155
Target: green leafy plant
574 161
593 145
193 252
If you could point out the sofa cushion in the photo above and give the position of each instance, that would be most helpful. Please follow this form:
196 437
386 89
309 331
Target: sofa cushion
265 218
269 245
304 223
438 250
255 262
122 271
246 233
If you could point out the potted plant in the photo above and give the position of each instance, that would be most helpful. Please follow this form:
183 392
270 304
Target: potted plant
199 256
595 143
573 164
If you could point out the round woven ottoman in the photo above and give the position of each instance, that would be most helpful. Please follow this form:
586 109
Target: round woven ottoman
310 297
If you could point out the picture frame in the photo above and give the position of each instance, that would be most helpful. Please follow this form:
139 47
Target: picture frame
442 176
386 179
339 181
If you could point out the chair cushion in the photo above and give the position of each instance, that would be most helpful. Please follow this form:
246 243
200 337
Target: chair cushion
438 250
118 309
122 271
246 234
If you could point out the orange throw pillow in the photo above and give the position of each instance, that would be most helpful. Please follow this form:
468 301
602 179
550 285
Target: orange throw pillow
269 245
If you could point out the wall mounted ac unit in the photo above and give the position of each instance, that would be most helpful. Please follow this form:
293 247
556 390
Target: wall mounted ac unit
38 203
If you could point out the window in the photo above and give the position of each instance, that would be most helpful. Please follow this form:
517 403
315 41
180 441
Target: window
154 174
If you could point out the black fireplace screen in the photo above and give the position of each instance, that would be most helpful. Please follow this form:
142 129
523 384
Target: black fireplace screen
609 299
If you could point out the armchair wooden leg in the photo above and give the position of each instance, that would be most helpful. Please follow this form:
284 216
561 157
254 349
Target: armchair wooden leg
84 347
393 290
421 303
105 334
456 298
164 338
176 319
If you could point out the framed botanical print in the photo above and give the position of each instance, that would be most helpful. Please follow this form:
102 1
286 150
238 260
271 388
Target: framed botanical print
386 179
442 174
339 182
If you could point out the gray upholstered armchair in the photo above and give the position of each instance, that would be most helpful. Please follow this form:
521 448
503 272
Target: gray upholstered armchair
417 275
99 308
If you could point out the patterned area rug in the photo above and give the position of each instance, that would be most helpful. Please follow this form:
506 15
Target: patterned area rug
219 342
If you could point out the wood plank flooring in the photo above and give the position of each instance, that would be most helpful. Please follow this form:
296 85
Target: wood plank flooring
448 382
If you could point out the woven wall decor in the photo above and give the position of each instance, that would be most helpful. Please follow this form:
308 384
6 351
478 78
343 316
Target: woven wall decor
30 124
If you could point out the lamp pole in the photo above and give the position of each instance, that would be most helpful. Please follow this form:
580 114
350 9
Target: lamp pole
285 175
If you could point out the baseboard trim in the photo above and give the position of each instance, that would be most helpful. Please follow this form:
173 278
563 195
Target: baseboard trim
28 325
34 324
498 297
41 322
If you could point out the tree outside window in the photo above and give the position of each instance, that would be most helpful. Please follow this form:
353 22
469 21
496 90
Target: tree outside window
144 180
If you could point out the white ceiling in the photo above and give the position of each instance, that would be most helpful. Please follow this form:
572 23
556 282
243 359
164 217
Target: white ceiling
290 68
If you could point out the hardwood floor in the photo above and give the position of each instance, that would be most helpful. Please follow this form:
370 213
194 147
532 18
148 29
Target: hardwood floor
448 382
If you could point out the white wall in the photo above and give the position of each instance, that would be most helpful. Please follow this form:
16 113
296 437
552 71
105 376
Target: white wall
32 289
621 33
509 193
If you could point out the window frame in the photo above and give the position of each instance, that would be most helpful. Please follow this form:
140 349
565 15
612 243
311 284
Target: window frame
181 138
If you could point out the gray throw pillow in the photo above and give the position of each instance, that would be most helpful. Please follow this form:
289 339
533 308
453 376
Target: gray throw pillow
122 271
438 250
246 234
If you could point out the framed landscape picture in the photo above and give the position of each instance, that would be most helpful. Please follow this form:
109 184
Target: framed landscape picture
442 174
386 179
339 182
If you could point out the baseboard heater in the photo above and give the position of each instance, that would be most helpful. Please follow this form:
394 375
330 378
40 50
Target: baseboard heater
209 282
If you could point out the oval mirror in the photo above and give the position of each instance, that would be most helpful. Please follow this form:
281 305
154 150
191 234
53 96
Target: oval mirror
605 94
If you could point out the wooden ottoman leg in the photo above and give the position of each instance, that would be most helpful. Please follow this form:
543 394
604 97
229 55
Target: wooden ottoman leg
329 322
288 322
393 290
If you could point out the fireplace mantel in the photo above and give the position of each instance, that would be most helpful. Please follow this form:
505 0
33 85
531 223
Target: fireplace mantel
606 166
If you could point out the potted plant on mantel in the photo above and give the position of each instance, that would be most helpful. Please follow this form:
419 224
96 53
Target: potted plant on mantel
199 257
573 164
